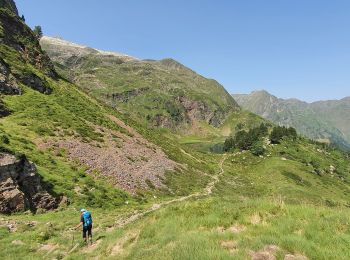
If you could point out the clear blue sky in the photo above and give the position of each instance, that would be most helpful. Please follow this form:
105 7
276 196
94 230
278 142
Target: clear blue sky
292 48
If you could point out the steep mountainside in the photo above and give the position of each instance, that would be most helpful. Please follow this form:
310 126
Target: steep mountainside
16 37
336 112
160 93
76 143
323 120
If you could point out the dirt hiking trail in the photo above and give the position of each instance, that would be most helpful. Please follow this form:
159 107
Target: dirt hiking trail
117 249
206 192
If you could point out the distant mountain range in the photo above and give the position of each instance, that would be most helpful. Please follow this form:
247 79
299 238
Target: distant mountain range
327 121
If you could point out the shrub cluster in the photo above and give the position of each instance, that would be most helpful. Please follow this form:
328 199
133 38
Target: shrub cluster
252 140
175 111
279 132
244 140
38 32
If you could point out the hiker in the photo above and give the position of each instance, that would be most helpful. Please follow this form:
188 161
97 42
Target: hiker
86 222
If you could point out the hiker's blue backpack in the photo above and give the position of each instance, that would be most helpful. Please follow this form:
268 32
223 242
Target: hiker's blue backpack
87 219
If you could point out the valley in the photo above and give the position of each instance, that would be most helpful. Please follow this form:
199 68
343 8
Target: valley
141 145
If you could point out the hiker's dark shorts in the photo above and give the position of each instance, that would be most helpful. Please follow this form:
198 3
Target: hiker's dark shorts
87 229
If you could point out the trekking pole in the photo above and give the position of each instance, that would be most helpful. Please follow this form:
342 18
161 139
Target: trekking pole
73 239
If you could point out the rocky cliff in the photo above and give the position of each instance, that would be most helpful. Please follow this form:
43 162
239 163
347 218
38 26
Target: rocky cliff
20 186
19 45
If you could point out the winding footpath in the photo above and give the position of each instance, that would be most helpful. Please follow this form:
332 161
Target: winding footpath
208 190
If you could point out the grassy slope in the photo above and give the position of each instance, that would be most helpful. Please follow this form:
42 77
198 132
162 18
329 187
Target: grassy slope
277 201
165 81
280 202
272 201
69 113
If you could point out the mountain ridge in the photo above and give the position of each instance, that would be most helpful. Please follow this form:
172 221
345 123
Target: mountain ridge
263 91
160 93
60 42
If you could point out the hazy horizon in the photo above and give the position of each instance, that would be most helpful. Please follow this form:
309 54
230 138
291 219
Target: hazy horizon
286 98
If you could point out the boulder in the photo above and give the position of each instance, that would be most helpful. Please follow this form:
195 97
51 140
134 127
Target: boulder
21 188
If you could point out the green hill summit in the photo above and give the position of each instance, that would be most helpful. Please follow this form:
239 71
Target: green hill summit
161 93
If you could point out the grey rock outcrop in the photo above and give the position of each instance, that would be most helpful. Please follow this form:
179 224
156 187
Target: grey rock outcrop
24 46
35 82
20 186
8 84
